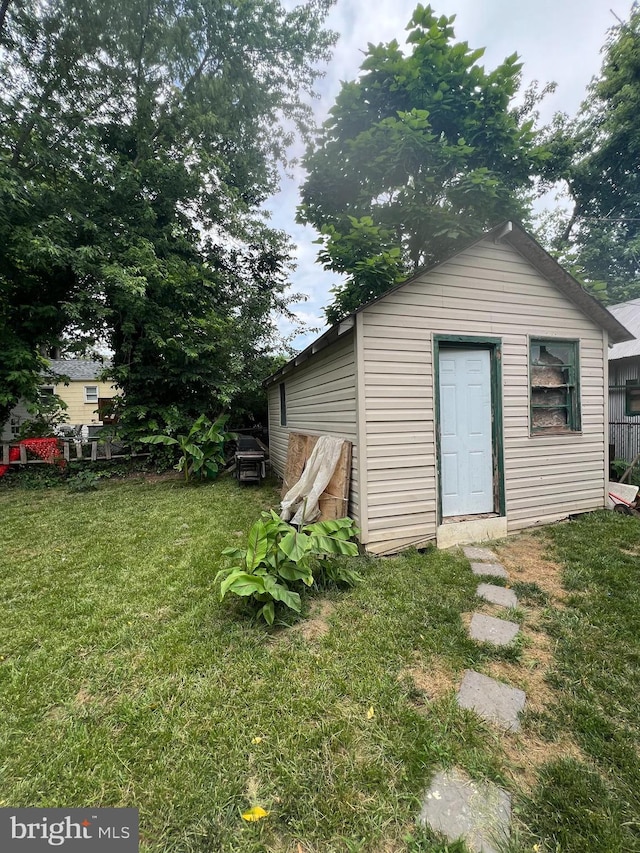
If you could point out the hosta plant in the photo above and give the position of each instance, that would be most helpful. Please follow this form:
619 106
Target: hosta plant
202 447
279 557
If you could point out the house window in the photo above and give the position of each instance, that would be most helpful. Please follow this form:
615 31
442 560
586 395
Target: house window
283 405
14 427
555 386
91 393
632 397
46 391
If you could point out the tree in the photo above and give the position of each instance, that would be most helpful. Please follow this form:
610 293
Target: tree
426 148
139 140
597 155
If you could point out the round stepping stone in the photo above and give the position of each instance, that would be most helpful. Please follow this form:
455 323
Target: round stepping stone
488 629
472 552
497 595
492 700
489 569
477 812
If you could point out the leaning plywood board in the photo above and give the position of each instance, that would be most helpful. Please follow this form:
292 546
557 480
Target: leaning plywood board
334 501
296 458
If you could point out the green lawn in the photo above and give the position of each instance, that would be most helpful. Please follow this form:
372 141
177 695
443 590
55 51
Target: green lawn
124 682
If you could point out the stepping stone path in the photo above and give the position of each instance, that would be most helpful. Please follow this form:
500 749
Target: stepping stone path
492 700
488 629
495 570
497 595
478 812
484 555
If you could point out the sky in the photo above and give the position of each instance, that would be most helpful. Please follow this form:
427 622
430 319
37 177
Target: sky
556 40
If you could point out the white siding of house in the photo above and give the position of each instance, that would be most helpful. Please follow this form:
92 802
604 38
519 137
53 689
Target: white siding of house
492 291
321 400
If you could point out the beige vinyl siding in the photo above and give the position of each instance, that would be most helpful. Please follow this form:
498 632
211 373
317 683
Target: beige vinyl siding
79 412
321 400
487 291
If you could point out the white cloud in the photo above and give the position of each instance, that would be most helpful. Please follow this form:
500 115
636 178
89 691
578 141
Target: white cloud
557 40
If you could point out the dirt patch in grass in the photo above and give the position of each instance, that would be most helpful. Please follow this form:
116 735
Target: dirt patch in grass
525 560
632 552
430 680
316 625
529 673
83 698
56 714
165 476
525 754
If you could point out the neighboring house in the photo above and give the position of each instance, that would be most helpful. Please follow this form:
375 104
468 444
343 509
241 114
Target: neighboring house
624 386
85 395
474 395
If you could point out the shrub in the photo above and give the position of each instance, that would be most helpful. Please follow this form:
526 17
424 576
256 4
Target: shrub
619 466
279 557
202 447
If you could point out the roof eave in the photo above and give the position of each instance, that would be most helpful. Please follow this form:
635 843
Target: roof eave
530 249
332 334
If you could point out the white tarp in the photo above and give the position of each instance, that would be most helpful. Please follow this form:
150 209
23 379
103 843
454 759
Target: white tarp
304 496
621 493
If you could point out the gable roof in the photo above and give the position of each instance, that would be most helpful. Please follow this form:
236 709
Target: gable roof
627 313
531 250
77 369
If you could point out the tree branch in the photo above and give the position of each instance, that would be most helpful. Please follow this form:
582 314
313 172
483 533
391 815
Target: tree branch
3 14
572 221
28 126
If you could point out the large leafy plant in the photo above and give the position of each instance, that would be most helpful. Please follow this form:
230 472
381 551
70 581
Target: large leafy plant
202 447
279 557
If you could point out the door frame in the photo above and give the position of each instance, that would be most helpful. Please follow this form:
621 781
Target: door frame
494 346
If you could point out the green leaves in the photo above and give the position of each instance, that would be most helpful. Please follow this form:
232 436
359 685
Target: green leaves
294 545
257 546
278 556
130 130
423 148
242 583
158 439
596 155
202 448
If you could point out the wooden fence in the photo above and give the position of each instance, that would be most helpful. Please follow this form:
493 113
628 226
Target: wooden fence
92 451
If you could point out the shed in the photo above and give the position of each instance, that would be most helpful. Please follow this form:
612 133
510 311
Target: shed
474 395
624 385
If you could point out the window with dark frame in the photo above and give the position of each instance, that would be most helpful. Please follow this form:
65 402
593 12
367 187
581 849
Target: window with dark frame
283 405
632 397
554 379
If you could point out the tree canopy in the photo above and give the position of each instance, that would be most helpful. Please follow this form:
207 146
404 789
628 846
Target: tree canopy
597 155
139 139
422 151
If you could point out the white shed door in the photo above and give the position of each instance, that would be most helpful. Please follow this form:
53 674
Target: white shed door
465 432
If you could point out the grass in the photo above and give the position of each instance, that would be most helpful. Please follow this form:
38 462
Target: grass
124 682
594 803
